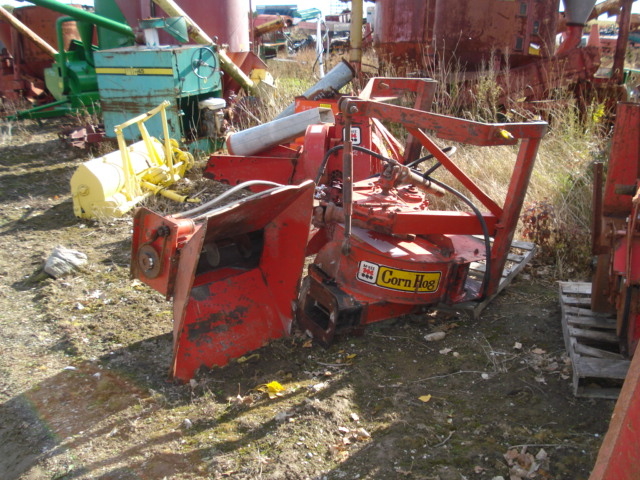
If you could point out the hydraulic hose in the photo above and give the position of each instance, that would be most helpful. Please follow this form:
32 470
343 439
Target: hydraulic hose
485 232
450 149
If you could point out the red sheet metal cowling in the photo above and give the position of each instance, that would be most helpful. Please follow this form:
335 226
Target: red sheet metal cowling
620 450
233 273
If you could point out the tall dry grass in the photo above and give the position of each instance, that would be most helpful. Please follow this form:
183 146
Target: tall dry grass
293 74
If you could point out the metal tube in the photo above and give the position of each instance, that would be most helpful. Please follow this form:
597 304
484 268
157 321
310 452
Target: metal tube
79 14
577 11
355 53
319 47
253 140
624 21
347 184
62 60
27 32
335 79
200 36
26 113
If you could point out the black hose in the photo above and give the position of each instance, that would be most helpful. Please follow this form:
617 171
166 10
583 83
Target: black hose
337 148
418 161
485 233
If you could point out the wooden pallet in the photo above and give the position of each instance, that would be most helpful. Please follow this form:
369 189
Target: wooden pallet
599 369
520 254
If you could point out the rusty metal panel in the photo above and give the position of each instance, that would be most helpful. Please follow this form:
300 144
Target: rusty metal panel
5 35
624 161
42 21
517 30
133 80
620 450
404 28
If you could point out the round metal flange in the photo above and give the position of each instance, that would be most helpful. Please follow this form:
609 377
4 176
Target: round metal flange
149 261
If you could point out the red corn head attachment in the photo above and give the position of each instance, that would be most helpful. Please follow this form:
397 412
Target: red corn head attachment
233 272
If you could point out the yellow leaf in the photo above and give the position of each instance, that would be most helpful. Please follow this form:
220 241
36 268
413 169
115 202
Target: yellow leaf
506 134
273 389
424 398
351 356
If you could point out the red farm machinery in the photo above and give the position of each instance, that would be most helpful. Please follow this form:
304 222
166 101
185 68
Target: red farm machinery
359 203
614 311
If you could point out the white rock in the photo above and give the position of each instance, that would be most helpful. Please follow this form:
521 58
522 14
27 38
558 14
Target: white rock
435 336
282 416
319 386
63 261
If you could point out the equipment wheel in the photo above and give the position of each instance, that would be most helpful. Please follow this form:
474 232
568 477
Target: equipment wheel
204 63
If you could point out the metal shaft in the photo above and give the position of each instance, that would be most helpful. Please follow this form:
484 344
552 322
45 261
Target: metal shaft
355 54
624 21
347 184
27 32
335 79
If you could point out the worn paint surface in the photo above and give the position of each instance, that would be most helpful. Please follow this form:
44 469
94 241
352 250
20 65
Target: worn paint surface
474 30
134 80
404 28
42 21
468 31
620 451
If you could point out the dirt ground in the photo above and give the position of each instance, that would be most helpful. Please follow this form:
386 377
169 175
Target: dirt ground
84 392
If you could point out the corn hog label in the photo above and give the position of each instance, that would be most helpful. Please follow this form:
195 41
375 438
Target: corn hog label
394 279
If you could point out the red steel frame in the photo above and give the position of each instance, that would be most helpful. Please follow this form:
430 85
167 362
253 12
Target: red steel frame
619 456
473 133
616 287
616 283
233 272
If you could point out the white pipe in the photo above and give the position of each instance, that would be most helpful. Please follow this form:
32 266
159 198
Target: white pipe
319 47
253 140
336 78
